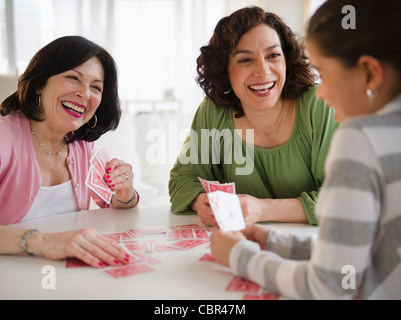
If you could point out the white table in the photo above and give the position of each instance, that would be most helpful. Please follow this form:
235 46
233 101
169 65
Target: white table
179 276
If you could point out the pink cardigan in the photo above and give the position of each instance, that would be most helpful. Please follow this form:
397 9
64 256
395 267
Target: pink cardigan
20 176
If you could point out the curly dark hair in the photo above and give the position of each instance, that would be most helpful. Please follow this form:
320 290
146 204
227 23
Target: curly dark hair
58 56
212 64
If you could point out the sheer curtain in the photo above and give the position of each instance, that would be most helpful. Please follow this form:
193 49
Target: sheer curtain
155 42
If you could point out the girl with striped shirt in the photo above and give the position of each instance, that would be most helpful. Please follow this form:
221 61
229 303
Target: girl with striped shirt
357 253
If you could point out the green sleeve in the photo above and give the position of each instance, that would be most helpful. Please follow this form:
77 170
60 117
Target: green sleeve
318 121
308 200
184 185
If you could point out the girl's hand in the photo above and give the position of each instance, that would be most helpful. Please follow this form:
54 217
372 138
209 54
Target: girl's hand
222 243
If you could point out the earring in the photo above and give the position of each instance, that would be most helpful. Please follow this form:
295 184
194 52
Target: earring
371 95
94 124
227 92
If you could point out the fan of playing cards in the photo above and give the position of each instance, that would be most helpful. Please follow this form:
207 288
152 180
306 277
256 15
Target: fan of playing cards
94 179
225 205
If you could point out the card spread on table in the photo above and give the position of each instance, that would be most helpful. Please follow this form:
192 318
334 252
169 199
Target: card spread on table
227 210
211 186
140 244
128 270
94 179
242 285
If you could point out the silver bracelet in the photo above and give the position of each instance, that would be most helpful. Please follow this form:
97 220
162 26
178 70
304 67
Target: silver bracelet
23 241
129 202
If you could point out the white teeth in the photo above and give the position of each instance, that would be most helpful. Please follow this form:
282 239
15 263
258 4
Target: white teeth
267 86
73 106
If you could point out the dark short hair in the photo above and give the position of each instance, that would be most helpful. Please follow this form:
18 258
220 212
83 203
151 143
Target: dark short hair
212 64
61 55
377 31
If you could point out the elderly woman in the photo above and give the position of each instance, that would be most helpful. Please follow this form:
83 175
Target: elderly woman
66 99
261 95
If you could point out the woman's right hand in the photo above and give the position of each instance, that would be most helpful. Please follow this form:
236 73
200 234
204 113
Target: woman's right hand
86 245
202 207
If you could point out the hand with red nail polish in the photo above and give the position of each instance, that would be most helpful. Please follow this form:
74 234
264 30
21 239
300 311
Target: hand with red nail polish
119 178
86 245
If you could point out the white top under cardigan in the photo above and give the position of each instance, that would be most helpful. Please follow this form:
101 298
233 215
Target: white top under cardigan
52 200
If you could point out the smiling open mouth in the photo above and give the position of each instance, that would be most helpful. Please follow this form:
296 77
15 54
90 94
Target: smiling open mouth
73 109
263 88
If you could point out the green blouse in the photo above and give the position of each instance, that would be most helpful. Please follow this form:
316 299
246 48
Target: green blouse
213 151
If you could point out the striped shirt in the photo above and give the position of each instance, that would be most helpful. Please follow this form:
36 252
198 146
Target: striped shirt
357 252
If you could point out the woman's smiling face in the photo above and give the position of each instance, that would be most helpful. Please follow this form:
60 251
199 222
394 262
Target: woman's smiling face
257 68
70 99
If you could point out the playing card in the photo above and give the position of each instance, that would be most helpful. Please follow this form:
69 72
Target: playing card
180 234
148 260
201 233
205 183
97 180
75 263
186 226
134 256
119 236
103 156
98 166
227 211
242 285
262 296
97 170
99 190
140 232
207 257
211 186
159 246
128 270
226 187
188 244
136 246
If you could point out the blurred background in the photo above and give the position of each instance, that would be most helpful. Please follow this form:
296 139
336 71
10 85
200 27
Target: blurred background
155 44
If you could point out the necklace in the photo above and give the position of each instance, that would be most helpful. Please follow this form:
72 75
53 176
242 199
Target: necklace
46 150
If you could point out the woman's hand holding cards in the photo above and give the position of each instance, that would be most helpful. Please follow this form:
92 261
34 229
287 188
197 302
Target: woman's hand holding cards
119 177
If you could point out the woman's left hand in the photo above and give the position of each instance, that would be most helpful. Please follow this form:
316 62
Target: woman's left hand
119 177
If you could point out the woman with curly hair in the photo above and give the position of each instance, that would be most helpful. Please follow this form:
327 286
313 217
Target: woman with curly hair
260 110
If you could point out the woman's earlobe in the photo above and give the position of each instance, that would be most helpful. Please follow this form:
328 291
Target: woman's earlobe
373 70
